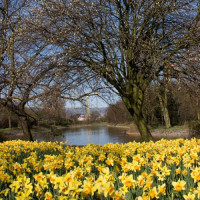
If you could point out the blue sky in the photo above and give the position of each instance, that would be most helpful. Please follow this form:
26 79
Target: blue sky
95 101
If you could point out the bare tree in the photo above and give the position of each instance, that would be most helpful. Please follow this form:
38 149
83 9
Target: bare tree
32 67
52 107
127 43
27 61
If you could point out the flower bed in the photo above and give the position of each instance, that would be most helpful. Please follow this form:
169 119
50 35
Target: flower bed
156 170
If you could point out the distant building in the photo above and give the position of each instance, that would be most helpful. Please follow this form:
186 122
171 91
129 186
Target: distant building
81 118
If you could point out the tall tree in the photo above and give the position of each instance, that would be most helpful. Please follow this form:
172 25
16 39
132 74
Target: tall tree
126 42
31 63
27 61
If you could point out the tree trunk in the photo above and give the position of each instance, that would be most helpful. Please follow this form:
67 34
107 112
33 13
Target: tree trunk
164 109
166 117
198 111
142 127
26 128
9 120
23 118
163 99
135 109
198 115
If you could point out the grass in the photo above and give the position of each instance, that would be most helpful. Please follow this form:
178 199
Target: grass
179 127
9 129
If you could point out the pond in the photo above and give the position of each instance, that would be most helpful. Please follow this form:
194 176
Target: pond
91 134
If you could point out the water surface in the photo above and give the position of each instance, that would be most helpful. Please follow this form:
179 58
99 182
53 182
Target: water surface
92 134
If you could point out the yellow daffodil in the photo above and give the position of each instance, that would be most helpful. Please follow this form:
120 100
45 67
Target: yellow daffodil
51 170
195 174
179 185
153 193
87 188
162 189
48 196
128 180
190 196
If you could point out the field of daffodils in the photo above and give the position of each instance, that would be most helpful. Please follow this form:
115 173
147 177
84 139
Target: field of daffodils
166 169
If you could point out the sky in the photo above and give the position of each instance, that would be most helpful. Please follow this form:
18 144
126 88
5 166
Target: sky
94 101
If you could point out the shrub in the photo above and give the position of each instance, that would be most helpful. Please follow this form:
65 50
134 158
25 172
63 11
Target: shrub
194 128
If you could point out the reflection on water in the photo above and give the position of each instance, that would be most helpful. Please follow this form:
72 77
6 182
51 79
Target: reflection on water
91 134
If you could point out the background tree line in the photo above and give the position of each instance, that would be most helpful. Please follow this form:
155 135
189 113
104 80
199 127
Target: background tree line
182 107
